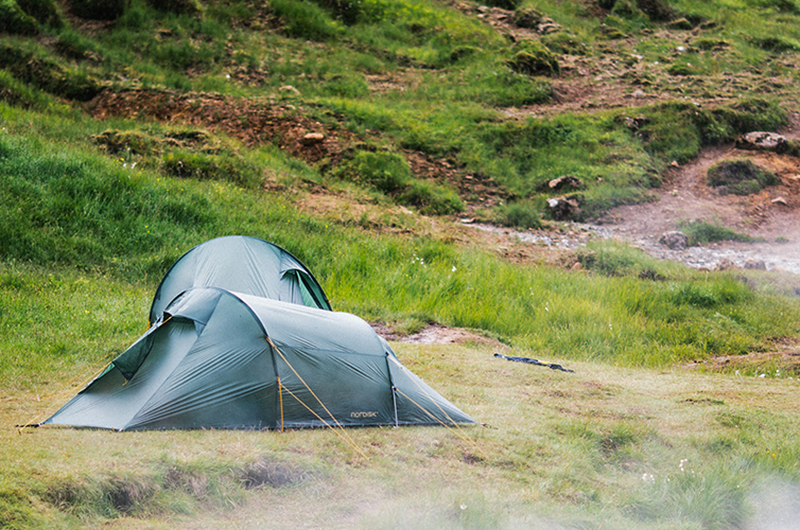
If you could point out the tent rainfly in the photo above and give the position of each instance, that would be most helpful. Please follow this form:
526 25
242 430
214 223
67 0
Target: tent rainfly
242 264
219 359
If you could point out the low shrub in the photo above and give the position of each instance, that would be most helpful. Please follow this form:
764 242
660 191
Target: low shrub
533 58
305 20
430 198
701 233
46 74
384 171
181 7
15 21
563 42
520 214
98 9
739 177
46 12
202 166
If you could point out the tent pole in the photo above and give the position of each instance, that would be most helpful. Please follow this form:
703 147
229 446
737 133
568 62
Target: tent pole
394 402
280 395
394 390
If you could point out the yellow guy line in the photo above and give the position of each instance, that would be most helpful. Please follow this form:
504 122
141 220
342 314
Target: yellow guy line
461 435
346 440
459 431
312 393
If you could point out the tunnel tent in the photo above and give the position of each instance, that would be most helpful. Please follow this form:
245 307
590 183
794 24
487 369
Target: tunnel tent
242 264
219 359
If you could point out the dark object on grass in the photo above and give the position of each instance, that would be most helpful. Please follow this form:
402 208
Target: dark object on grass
527 360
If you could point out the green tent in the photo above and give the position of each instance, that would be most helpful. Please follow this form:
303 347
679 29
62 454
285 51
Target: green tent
244 265
220 359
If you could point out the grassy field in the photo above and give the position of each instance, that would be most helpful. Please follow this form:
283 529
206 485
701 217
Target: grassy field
130 134
602 447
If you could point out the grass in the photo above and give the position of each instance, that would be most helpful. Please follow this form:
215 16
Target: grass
618 447
95 210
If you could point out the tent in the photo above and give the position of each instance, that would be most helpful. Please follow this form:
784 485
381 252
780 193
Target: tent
220 359
241 264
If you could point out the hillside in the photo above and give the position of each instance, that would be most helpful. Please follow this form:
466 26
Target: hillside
469 179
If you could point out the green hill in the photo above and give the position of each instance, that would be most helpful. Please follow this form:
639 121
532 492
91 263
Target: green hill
356 134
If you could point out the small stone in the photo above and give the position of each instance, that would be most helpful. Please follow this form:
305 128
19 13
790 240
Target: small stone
726 264
755 265
674 240
290 89
780 200
312 138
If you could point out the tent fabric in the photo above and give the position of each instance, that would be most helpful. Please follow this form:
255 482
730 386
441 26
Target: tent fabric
220 359
241 264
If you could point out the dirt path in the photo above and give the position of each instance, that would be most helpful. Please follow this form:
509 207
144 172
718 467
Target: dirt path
771 216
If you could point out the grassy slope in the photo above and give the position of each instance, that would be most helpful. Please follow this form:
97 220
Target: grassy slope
85 237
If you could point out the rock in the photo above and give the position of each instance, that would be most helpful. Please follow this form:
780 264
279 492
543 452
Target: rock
674 240
780 200
290 89
562 208
577 266
680 24
755 265
565 181
726 264
763 141
312 138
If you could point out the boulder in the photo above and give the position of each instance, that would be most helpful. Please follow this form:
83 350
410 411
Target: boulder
755 265
565 181
563 208
763 141
726 264
674 240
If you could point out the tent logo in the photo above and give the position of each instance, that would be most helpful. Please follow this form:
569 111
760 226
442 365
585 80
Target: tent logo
365 414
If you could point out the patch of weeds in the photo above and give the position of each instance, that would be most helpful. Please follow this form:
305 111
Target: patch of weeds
739 177
710 44
267 473
19 94
777 44
306 20
16 510
533 58
98 9
520 214
180 7
566 43
390 174
75 46
15 21
430 198
46 12
709 295
615 259
115 141
108 497
504 4
712 499
681 68
44 73
527 17
702 233
201 166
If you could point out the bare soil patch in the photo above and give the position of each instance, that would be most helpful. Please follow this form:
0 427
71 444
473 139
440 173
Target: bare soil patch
771 216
